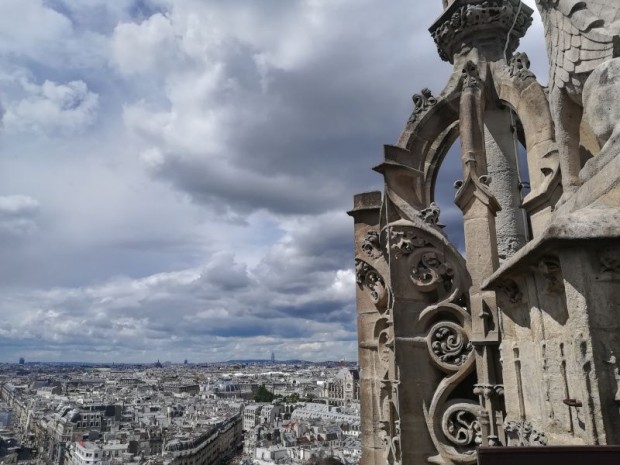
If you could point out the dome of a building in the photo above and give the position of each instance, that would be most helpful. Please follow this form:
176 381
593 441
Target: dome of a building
227 387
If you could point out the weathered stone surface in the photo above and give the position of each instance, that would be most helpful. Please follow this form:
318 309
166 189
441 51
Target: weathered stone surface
518 344
581 37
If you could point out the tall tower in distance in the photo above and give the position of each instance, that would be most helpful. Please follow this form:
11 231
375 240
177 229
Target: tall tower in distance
273 357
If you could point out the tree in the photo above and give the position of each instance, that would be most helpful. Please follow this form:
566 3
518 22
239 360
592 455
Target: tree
263 394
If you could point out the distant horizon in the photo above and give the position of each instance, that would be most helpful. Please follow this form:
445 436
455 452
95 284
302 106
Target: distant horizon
169 362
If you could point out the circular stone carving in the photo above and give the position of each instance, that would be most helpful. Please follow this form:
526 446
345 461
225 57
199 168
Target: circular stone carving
431 272
460 424
448 345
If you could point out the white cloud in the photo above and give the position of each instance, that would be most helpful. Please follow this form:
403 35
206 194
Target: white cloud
18 216
32 31
52 108
194 207
148 47
17 204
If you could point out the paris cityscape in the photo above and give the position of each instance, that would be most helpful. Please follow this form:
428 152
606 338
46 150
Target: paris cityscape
309 232
238 412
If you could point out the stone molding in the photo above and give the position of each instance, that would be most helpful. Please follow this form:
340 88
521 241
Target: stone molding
464 21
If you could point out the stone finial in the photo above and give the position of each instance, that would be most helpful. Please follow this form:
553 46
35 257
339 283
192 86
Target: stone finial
464 22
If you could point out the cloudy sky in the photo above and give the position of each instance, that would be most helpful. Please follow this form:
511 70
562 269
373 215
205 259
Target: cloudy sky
174 173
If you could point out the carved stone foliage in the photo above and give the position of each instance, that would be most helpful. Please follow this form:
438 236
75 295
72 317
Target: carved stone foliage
430 271
405 242
520 67
369 278
453 425
437 271
389 417
390 422
421 103
448 345
431 214
470 18
371 245
522 433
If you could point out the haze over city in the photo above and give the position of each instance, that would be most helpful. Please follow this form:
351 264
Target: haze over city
174 175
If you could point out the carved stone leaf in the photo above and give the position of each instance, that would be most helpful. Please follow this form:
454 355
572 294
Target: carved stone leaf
522 433
431 272
371 245
369 278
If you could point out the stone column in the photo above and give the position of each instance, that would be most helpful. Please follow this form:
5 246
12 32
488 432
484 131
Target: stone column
365 214
479 208
502 168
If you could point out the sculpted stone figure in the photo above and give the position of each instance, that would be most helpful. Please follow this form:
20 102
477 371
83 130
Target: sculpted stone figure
583 43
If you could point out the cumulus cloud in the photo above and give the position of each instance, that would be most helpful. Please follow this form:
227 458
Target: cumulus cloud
244 125
146 47
194 207
188 308
52 108
33 31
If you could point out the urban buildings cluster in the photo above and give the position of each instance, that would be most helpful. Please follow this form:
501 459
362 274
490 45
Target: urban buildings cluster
166 414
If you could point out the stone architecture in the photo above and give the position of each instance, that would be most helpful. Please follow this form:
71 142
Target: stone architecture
342 389
517 343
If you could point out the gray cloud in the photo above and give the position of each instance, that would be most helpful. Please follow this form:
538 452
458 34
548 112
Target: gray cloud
184 168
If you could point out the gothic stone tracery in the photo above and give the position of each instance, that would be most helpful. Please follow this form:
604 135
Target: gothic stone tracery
516 343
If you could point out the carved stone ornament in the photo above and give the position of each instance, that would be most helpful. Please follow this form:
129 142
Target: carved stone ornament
430 215
448 345
431 271
466 20
370 245
520 67
613 363
460 425
422 102
522 433
405 243
386 347
389 422
470 77
489 391
367 277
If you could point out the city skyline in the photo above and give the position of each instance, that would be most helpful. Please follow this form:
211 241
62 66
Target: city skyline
174 175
